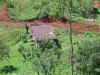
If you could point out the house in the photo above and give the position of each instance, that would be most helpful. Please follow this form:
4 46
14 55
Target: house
42 31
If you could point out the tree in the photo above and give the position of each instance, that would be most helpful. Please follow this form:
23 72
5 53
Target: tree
15 7
44 58
4 50
67 7
86 7
88 57
48 54
42 7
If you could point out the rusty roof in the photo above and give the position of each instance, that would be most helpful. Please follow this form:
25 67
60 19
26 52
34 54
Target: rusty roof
43 31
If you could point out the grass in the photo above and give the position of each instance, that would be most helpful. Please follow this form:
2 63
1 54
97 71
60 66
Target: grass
11 36
64 38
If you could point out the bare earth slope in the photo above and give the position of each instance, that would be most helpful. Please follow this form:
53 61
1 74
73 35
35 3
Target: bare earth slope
57 22
4 18
97 4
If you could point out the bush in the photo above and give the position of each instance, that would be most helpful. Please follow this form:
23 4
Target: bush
24 38
87 34
89 58
4 1
8 69
4 50
26 50
44 57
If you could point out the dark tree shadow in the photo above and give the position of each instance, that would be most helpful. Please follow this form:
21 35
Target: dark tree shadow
8 69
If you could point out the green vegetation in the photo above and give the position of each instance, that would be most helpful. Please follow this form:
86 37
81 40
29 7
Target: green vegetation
29 9
4 50
18 56
27 28
89 57
2 4
44 58
22 61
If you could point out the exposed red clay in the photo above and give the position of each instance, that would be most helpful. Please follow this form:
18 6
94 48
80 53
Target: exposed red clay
78 27
97 4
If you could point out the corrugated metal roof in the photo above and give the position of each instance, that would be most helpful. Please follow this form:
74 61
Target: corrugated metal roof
43 31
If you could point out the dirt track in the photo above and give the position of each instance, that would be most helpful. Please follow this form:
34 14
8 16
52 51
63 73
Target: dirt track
61 23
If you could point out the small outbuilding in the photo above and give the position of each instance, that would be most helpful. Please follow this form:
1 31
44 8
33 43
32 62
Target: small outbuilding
42 31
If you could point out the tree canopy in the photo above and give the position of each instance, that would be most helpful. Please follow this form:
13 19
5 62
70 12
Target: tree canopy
41 8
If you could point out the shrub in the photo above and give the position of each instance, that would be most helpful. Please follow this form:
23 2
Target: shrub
44 57
26 50
24 38
26 28
87 34
4 50
89 58
8 69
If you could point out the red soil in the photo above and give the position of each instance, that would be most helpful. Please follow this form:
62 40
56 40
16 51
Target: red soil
4 18
78 27
97 4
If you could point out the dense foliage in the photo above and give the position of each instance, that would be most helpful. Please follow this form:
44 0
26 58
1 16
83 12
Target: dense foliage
28 9
44 58
89 58
4 50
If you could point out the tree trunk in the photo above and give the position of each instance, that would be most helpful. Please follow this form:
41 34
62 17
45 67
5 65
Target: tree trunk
26 27
71 46
38 73
70 34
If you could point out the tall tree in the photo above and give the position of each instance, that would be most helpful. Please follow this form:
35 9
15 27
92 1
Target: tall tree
67 7
70 34
42 7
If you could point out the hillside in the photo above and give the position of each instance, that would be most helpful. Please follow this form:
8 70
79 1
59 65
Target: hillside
97 4
58 22
35 38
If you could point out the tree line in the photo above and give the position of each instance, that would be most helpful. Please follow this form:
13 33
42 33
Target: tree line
43 8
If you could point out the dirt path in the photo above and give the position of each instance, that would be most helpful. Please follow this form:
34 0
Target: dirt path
58 22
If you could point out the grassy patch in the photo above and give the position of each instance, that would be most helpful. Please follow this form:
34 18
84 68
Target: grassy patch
11 35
